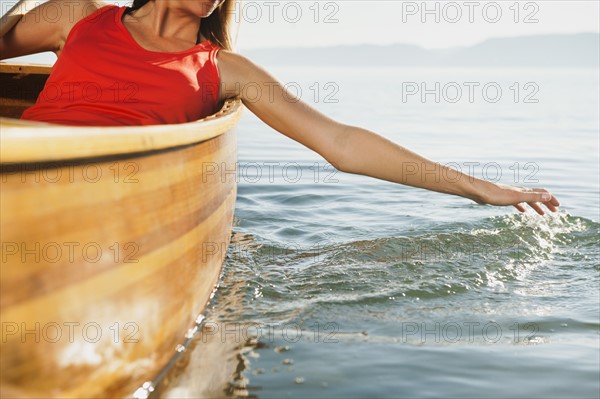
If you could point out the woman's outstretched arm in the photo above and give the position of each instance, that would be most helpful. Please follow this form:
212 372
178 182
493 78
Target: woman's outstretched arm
356 150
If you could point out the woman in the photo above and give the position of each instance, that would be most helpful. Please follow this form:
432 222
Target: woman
170 61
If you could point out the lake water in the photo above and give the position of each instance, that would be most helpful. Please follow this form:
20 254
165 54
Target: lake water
343 286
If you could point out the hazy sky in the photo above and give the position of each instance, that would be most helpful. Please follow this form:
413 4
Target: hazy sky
430 24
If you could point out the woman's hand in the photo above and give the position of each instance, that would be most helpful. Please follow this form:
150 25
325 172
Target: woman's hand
501 194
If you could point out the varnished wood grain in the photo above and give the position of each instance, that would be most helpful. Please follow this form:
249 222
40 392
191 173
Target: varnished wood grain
161 215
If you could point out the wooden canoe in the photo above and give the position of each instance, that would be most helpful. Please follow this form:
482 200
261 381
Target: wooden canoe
112 240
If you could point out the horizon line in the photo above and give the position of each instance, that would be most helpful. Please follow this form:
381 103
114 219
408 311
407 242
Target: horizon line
417 45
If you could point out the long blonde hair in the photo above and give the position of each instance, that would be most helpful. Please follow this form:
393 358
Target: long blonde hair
217 27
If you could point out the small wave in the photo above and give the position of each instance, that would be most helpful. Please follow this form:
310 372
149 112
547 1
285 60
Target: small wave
494 254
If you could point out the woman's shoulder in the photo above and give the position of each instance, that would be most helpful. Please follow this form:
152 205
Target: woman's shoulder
238 66
236 72
234 62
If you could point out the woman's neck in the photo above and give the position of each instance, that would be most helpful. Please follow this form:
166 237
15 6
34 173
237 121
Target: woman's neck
164 21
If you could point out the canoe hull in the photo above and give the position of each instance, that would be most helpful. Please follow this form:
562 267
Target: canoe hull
107 262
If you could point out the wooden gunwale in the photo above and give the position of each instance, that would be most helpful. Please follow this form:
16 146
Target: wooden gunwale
28 141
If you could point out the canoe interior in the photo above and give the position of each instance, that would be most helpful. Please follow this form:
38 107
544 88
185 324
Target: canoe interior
20 87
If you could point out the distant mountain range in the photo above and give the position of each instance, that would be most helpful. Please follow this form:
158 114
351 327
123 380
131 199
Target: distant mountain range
564 50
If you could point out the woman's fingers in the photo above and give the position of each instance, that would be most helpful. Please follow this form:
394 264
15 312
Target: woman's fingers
536 207
548 200
550 206
538 196
534 197
554 202
519 207
544 197
519 197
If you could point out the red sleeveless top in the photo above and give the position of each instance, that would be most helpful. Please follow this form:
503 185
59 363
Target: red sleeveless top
103 77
